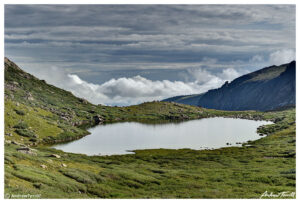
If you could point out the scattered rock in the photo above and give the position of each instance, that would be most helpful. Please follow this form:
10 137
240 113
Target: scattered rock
10 87
29 96
55 155
7 141
269 157
32 144
15 142
98 119
43 166
248 145
8 134
79 123
183 116
26 150
65 116
63 165
83 101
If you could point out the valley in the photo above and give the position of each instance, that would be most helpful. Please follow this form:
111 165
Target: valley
39 115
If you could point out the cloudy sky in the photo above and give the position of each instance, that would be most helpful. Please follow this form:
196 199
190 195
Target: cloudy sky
127 54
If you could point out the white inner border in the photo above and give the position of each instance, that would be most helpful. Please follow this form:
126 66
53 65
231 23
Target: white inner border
131 2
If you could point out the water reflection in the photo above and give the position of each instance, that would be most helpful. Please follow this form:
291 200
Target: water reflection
118 138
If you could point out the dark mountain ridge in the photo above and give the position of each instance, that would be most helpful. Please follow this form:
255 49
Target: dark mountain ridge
266 89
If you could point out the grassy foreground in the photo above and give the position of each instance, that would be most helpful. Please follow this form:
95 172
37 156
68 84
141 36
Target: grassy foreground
38 114
267 164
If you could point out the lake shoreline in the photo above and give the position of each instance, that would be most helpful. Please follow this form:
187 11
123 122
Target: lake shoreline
160 132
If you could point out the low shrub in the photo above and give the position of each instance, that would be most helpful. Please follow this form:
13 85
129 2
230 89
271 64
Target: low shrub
20 112
21 125
25 133
81 176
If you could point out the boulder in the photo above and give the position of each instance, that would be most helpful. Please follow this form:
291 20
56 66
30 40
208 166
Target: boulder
55 155
84 101
79 123
29 96
26 150
43 166
15 142
98 119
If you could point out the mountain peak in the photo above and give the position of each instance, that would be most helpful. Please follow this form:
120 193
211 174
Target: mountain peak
265 89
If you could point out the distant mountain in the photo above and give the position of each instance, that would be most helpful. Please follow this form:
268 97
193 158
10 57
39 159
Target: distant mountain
266 89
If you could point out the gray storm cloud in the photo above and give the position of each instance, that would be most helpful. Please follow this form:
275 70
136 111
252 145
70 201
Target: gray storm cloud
87 35
98 47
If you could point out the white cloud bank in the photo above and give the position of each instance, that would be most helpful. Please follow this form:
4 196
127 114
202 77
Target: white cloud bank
128 91
282 56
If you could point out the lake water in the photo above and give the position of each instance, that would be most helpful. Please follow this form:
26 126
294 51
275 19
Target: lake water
117 138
